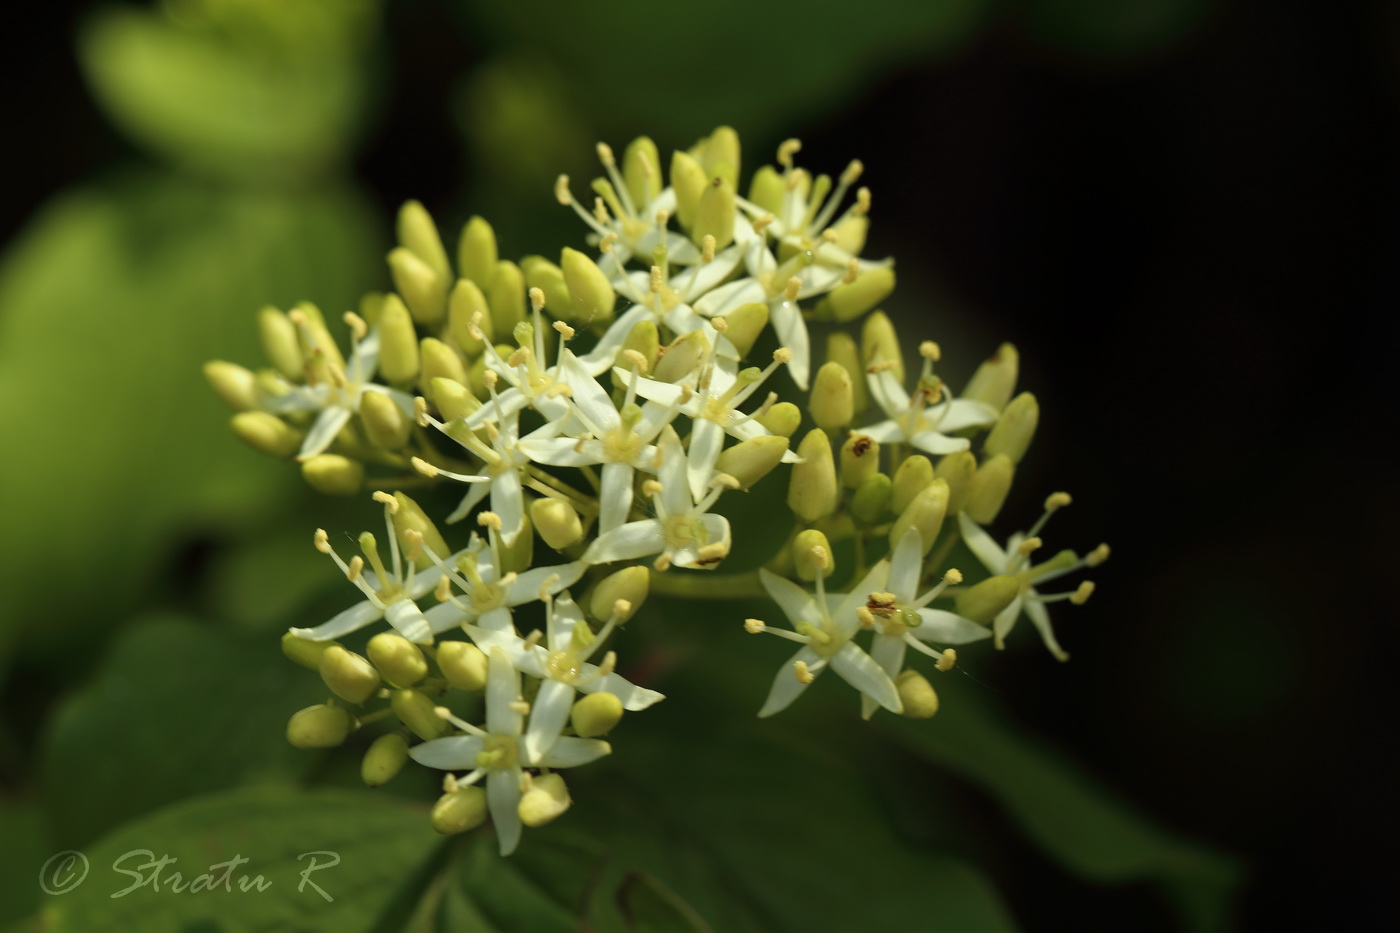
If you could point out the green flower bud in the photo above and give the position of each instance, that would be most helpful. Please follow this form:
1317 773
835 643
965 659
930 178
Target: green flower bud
719 154
860 460
995 379
399 660
767 189
545 798
926 513
411 517
463 664
878 343
1012 434
323 726
304 651
841 348
989 489
832 404
386 426
751 460
641 171
422 288
398 342
689 181
518 557
453 399
592 293
334 475
872 498
318 348
349 676
477 258
984 601
917 694
418 713
630 585
746 322
235 385
850 300
811 554
372 306
851 233
958 470
385 758
714 216
681 357
419 235
460 811
280 343
506 297
266 433
596 714
645 339
812 491
557 522
782 419
910 478
440 362
547 277
463 305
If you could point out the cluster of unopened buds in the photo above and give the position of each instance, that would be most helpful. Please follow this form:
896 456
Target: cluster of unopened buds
601 410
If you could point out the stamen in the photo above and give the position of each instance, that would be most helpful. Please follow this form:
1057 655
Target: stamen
862 202
637 359
930 351
561 191
533 638
622 608
489 378
547 587
443 590
358 327
386 500
650 488
662 563
852 172
866 617
605 155
1057 500
852 271
357 564
711 553
420 411
754 626
788 149
1097 556
707 249
1081 595
1029 546
489 520
606 243
763 222
414 539
322 541
536 298
782 354
949 659
609 664
519 706
424 467
600 211
794 285
804 676
565 330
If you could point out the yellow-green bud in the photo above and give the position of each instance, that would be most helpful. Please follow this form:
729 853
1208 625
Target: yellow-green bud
506 297
318 347
334 475
266 433
1012 434
234 384
767 189
688 179
398 342
719 154
851 233
520 556
304 651
547 277
751 460
440 362
917 694
371 307
832 404
411 517
641 171
463 306
385 758
460 811
453 399
811 554
419 235
925 512
850 300
630 585
596 714
350 677
989 489
545 799
995 379
958 470
592 293
423 289
386 426
477 257
860 460
323 726
419 713
714 216
463 664
557 522
644 338
982 602
812 491
871 498
280 343
782 419
681 357
910 478
841 348
878 343
399 660
746 322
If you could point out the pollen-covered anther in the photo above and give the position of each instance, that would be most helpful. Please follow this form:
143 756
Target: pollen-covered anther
414 539
534 638
420 411
930 351
830 236
882 603
786 150
819 557
424 467
719 324
386 500
790 291
1029 546
518 358
561 191
762 223
1057 500
657 280
949 659
509 578
605 155
622 608
862 205
443 590
711 553
852 271
661 564
357 564
637 359
600 212
474 326
953 577
881 366
804 676
322 541
1097 556
607 243
489 520
853 172
725 480
609 664
357 325
866 617
1081 595
449 781
651 488
565 330
520 706
754 626
490 377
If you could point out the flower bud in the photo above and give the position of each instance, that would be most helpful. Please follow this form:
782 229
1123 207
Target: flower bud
398 342
545 798
477 257
280 343
318 347
681 357
463 664
995 379
630 584
547 277
849 301
386 426
832 404
746 322
596 714
234 384
751 460
811 555
851 233
519 556
453 399
399 660
507 298
371 306
334 475
411 517
557 522
925 513
878 343
304 651
688 179
419 235
984 601
646 340
913 475
468 314
324 726
386 756
783 419
460 811
841 348
419 713
592 293
440 361
958 470
917 694
767 189
641 171
812 490
349 676
266 433
860 460
1012 433
422 288
989 489
714 216
871 499
720 155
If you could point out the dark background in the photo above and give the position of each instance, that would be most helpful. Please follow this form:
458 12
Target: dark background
1192 246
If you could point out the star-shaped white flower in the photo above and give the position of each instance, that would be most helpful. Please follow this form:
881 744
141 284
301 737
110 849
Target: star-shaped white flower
922 421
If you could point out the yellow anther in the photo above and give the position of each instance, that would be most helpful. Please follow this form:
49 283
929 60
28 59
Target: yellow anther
357 564
754 626
490 377
1029 546
489 520
420 411
804 676
852 172
788 149
852 271
609 664
533 638
449 782
1056 500
474 326
881 601
953 577
830 236
442 712
651 488
322 540
866 617
443 590
358 327
656 280
537 299
819 557
687 393
605 155
882 366
930 351
622 608
635 357
565 330
762 223
414 539
511 577
607 242
557 390
561 191
726 480
711 553
1097 556
386 500
719 324
707 249
493 432
661 564
782 355
794 285
950 658
663 217
547 586
862 202
1081 595
600 211
519 706
424 467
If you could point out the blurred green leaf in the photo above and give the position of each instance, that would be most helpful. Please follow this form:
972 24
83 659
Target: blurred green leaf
651 907
25 850
1111 30
383 845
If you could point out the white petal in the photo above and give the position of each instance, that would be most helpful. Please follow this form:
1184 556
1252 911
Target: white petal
504 405
797 604
981 544
907 565
947 628
792 333
706 439
406 618
591 398
965 413
496 620
888 652
886 432
502 689
454 753
786 686
1040 618
503 797
561 451
508 502
570 752
471 500
888 393
597 361
1006 620
938 444
705 276
548 714
875 580
342 623
730 296
526 586
327 425
444 617
630 541
860 671
632 696
615 498
561 622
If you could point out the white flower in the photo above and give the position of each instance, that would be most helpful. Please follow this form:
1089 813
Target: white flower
914 420
497 752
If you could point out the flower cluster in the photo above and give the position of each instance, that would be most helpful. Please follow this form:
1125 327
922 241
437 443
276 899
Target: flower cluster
611 407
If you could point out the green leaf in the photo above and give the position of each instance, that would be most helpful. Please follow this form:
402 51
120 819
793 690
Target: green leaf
384 847
651 907
25 850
